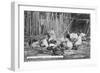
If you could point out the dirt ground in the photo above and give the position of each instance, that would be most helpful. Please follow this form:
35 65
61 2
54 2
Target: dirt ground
83 52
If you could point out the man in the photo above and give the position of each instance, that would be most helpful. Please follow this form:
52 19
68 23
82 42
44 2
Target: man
52 35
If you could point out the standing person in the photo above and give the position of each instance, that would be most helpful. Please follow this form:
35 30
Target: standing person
52 35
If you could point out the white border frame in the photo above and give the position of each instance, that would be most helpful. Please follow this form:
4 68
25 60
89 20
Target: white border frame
17 60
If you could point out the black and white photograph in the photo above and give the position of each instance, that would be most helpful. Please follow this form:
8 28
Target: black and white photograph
56 36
